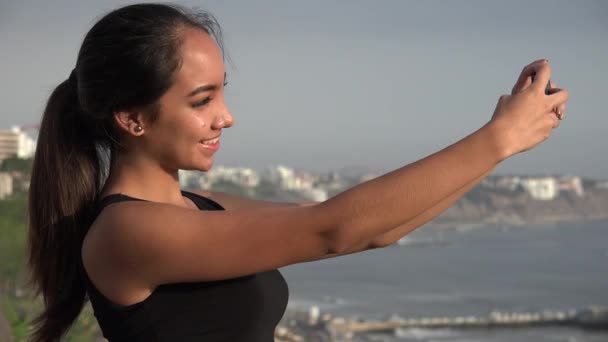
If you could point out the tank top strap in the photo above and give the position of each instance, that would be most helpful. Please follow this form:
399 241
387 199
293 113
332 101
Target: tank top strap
114 198
201 202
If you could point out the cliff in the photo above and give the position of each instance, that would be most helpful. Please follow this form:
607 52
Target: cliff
518 207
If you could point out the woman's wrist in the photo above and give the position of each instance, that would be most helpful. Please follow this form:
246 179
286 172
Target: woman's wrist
498 138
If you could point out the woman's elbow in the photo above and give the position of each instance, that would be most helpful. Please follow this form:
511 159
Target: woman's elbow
341 234
342 242
381 242
335 241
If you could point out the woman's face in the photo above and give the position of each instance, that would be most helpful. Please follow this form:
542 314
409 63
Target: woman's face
192 111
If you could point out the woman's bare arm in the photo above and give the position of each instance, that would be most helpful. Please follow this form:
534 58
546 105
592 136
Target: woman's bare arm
232 202
394 235
520 122
142 244
377 206
151 243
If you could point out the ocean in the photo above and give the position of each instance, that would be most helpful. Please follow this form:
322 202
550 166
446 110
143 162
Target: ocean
463 272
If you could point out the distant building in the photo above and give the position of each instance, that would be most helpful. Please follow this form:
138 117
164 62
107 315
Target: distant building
302 182
281 175
189 179
15 142
241 176
510 183
6 185
544 189
571 184
333 183
314 194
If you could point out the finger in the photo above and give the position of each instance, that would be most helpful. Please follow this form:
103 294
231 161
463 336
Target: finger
558 97
555 120
547 87
557 123
562 109
524 79
521 84
543 74
558 113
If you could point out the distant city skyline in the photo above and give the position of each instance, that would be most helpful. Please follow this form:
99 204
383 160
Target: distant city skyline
322 85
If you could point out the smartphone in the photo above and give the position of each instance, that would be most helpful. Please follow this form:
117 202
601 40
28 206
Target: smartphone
547 88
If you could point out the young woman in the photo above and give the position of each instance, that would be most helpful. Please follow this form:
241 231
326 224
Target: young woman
109 222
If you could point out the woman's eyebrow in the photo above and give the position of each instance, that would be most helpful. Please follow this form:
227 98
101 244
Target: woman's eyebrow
204 88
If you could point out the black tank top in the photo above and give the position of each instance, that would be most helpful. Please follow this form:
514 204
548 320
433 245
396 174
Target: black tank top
246 308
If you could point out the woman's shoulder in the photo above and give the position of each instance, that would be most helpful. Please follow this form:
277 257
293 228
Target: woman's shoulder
143 244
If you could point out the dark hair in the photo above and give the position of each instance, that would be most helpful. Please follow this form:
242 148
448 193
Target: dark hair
127 60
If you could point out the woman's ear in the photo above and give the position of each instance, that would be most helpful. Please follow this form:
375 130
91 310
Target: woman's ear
130 122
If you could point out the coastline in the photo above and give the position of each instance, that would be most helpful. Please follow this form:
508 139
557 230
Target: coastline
472 225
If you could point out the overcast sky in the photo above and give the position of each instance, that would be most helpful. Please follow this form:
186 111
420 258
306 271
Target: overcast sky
328 84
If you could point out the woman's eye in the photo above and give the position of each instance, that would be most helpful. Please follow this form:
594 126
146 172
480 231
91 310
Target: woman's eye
201 103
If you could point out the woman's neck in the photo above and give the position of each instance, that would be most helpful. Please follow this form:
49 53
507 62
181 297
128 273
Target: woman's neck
142 178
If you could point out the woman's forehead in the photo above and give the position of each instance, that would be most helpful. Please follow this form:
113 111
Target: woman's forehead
201 60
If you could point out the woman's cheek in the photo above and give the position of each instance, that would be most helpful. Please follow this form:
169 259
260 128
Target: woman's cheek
201 122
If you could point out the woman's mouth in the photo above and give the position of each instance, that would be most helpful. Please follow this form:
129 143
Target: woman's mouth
210 141
211 144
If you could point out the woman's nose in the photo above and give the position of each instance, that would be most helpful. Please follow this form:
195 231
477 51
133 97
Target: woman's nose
223 120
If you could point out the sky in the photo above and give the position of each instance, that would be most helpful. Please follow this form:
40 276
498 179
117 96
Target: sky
349 84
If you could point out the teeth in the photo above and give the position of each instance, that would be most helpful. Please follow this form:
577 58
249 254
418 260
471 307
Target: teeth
210 142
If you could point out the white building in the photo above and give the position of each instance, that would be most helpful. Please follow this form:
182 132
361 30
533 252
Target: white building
572 184
302 182
289 179
189 178
544 189
244 177
15 142
6 185
281 175
509 183
314 194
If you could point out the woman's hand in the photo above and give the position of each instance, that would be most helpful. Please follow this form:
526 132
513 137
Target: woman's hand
525 80
528 116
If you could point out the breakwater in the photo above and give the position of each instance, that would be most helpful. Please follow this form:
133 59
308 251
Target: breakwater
323 327
592 318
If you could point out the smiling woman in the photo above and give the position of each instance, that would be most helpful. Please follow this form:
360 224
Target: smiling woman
109 222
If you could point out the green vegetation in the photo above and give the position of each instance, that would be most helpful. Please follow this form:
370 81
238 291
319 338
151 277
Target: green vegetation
12 239
17 301
14 164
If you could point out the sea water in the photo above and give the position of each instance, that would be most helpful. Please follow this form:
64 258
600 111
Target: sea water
466 271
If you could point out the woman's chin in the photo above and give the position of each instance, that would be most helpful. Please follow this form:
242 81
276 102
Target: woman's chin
206 165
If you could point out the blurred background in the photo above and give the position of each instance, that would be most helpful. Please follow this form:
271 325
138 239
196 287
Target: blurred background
328 94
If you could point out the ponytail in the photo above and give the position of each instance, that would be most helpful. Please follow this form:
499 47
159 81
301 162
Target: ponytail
128 59
64 185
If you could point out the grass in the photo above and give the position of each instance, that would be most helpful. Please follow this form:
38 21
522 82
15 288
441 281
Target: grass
16 301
